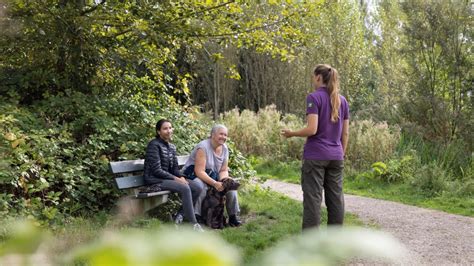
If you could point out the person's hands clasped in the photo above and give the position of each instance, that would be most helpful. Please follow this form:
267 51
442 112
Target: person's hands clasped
218 185
181 180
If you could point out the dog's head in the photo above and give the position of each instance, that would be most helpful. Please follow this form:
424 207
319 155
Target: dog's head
230 184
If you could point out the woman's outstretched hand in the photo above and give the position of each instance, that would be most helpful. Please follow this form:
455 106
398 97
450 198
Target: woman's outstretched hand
286 133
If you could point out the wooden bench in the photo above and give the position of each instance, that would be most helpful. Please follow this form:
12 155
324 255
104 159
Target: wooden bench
129 177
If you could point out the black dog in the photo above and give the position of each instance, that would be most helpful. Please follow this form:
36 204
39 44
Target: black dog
214 202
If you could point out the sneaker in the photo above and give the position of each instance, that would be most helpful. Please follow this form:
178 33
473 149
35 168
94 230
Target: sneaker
197 227
178 218
234 221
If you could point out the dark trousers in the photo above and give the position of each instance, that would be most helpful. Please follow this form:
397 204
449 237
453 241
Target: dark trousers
188 194
315 176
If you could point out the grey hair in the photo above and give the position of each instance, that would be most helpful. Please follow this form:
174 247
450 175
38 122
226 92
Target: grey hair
217 127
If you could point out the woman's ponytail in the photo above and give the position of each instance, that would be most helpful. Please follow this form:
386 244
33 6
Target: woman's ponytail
333 87
331 79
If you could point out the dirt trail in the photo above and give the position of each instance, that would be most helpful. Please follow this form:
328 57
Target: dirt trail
433 237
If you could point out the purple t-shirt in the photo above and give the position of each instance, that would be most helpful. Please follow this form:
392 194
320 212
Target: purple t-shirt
326 144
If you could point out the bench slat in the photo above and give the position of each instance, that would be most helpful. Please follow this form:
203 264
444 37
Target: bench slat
142 195
127 166
130 182
137 165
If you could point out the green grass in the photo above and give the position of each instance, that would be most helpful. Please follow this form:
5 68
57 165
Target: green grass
404 193
269 217
285 171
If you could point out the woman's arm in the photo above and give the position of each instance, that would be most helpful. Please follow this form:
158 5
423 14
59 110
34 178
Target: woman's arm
345 135
200 168
310 129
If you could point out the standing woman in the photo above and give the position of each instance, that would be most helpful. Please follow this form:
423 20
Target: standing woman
327 135
161 167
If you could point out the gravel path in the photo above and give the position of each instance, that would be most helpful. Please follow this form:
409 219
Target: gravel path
433 237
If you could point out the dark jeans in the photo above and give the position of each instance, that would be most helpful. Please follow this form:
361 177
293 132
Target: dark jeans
188 194
315 176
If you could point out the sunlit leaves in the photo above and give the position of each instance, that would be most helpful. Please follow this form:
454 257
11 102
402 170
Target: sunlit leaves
24 237
158 247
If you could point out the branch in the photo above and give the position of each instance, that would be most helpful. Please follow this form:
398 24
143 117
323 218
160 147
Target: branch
121 33
243 31
203 10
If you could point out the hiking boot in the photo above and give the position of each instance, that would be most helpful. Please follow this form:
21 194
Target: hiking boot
197 227
234 221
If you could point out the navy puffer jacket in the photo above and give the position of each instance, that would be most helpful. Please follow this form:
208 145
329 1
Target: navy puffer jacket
160 161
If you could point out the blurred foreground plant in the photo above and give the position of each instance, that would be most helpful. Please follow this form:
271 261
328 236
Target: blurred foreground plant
168 246
20 242
333 246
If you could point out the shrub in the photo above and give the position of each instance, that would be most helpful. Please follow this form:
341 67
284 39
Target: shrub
453 156
371 142
396 170
431 180
259 133
54 154
403 169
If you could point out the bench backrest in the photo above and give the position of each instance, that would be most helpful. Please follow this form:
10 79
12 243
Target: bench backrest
129 174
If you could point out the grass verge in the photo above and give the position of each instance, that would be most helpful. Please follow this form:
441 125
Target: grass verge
269 217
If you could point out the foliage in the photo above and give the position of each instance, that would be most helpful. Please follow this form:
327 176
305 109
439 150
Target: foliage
397 170
240 168
315 247
169 244
390 66
88 46
285 171
259 133
82 83
453 156
429 180
440 54
55 154
432 180
425 51
158 247
319 32
23 237
371 142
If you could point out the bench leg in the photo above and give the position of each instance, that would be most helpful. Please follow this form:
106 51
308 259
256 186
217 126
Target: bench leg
130 207
151 203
